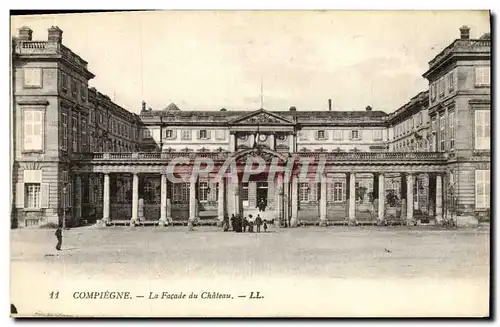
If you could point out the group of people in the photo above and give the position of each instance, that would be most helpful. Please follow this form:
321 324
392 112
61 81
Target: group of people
242 225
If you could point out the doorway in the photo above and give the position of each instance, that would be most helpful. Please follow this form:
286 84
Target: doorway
261 202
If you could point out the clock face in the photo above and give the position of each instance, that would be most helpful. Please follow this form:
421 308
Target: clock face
243 137
262 137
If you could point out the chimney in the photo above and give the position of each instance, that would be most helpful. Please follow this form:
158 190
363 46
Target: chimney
464 32
368 108
293 109
329 104
55 34
25 33
223 109
143 106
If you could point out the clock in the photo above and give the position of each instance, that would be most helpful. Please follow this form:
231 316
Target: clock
262 137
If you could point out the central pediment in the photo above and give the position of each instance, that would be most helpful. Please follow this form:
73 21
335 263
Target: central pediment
261 117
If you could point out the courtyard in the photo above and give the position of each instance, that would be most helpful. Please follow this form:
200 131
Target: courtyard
344 255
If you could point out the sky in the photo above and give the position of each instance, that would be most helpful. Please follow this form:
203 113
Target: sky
208 60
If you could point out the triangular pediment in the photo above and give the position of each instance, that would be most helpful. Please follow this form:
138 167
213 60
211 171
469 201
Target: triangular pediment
261 117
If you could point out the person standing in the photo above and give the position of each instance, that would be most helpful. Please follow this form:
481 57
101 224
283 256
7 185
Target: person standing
225 223
233 222
258 222
58 234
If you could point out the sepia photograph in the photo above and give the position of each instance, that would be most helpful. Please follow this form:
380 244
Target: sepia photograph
270 164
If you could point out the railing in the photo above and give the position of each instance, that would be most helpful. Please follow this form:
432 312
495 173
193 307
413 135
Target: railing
369 156
476 45
44 48
329 156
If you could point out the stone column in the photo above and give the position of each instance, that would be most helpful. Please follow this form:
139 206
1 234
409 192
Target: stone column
403 196
272 141
352 196
431 195
375 184
192 197
322 201
278 202
381 196
78 196
232 142
439 198
220 203
295 201
135 198
409 196
105 206
163 200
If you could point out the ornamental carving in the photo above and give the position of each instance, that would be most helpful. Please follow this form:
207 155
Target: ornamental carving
262 118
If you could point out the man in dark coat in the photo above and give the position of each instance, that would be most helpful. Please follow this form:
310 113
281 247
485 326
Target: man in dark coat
258 222
59 238
233 222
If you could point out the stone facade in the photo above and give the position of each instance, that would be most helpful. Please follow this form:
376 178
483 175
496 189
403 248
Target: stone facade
80 156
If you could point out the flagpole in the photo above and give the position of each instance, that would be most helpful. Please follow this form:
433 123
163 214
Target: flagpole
261 92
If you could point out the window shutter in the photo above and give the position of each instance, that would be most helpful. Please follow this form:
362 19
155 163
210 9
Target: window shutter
19 195
174 134
198 134
44 190
350 135
209 134
360 134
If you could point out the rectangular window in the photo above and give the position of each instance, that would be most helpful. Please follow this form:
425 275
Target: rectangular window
84 133
91 117
146 133
482 76
320 135
33 130
32 195
74 88
337 134
64 82
75 134
304 192
33 77
338 192
83 92
410 124
377 135
419 119
186 134
244 192
180 193
433 91
64 128
203 191
355 135
169 134
451 81
220 134
451 129
203 134
442 137
482 129
482 189
441 86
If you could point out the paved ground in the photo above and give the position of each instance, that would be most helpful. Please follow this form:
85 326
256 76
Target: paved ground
335 252
310 271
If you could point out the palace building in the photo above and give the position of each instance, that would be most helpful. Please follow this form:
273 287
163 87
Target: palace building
78 156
